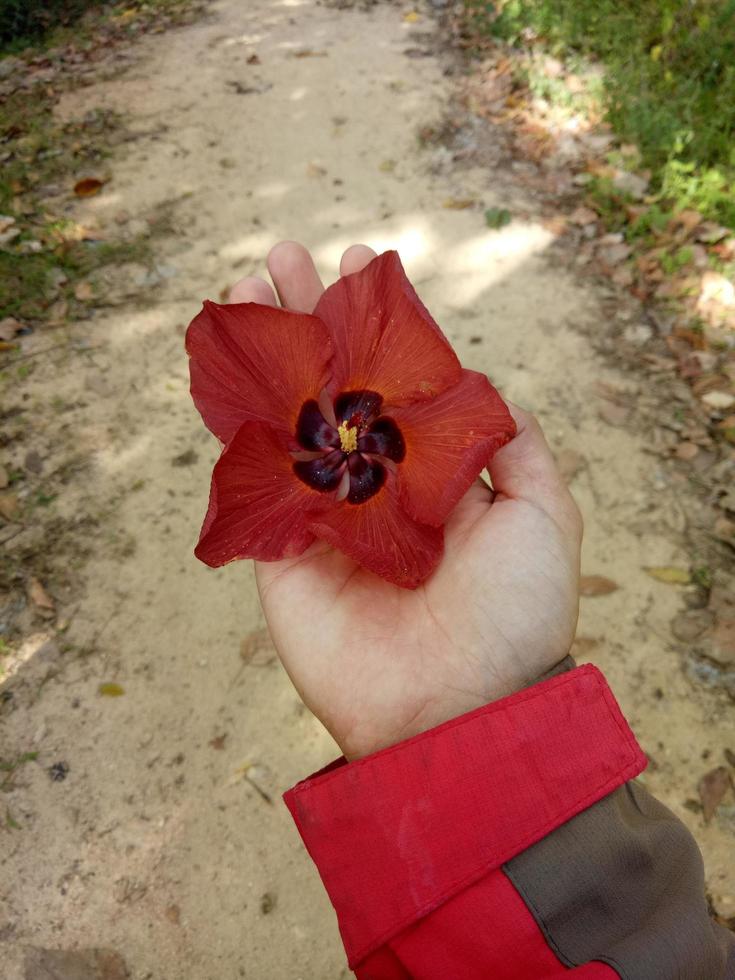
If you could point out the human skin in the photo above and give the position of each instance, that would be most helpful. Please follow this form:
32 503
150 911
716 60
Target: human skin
377 663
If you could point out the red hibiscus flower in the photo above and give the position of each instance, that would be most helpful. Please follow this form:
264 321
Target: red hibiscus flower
356 425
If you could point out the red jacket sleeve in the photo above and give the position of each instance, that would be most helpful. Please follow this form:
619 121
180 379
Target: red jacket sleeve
500 844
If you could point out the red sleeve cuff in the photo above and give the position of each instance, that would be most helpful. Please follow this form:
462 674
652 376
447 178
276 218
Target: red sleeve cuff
397 833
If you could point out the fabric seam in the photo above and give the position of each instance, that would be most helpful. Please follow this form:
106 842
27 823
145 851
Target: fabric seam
478 873
630 765
555 948
521 697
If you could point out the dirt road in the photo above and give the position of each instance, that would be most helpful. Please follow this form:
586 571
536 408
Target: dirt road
166 840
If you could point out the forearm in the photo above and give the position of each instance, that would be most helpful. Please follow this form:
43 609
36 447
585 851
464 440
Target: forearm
511 843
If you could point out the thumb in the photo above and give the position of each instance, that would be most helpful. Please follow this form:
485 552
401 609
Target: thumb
525 469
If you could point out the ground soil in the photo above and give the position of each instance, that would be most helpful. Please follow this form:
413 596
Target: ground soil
165 839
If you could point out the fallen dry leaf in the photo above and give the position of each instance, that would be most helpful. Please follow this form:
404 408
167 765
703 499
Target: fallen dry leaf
72 232
253 60
623 276
38 595
583 216
613 414
88 187
188 458
570 463
718 400
458 203
669 574
308 53
9 327
58 310
100 964
712 788
412 17
9 506
9 235
33 461
315 170
257 648
630 183
239 89
686 450
596 585
722 648
711 233
556 224
614 254
687 626
111 690
687 219
173 914
218 742
727 427
724 529
83 290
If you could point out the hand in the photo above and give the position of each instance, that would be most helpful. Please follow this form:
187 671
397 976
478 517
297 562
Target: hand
377 664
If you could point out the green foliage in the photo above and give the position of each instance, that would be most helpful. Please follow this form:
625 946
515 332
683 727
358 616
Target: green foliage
669 85
653 220
23 21
27 278
497 217
609 202
702 576
11 766
39 150
673 262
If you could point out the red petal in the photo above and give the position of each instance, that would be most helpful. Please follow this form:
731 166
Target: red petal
449 441
381 537
255 363
384 338
257 504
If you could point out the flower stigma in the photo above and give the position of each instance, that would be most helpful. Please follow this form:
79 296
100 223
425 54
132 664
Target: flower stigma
347 437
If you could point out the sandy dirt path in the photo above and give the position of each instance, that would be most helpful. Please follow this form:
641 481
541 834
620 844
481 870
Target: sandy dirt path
167 840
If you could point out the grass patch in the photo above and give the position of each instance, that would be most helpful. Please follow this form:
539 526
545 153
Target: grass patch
38 151
44 262
10 767
24 21
669 84
48 23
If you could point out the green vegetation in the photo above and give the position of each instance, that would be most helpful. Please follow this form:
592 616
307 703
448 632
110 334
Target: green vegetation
497 217
47 23
11 766
25 21
29 279
47 259
669 84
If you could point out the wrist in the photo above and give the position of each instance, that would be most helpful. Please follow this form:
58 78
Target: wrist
366 739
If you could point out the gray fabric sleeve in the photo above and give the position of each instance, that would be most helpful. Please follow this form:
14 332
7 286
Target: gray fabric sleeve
623 883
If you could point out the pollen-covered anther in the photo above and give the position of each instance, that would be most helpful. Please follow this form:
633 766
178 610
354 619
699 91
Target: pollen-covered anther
347 437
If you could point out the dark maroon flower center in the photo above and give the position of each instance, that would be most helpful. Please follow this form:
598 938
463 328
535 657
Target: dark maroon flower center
347 446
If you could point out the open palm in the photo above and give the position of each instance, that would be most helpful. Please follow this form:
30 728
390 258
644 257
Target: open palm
377 663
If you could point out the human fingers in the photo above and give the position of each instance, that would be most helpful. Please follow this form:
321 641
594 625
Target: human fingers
294 276
252 289
356 258
525 469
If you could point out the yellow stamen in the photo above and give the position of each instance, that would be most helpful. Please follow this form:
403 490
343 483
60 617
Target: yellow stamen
348 438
